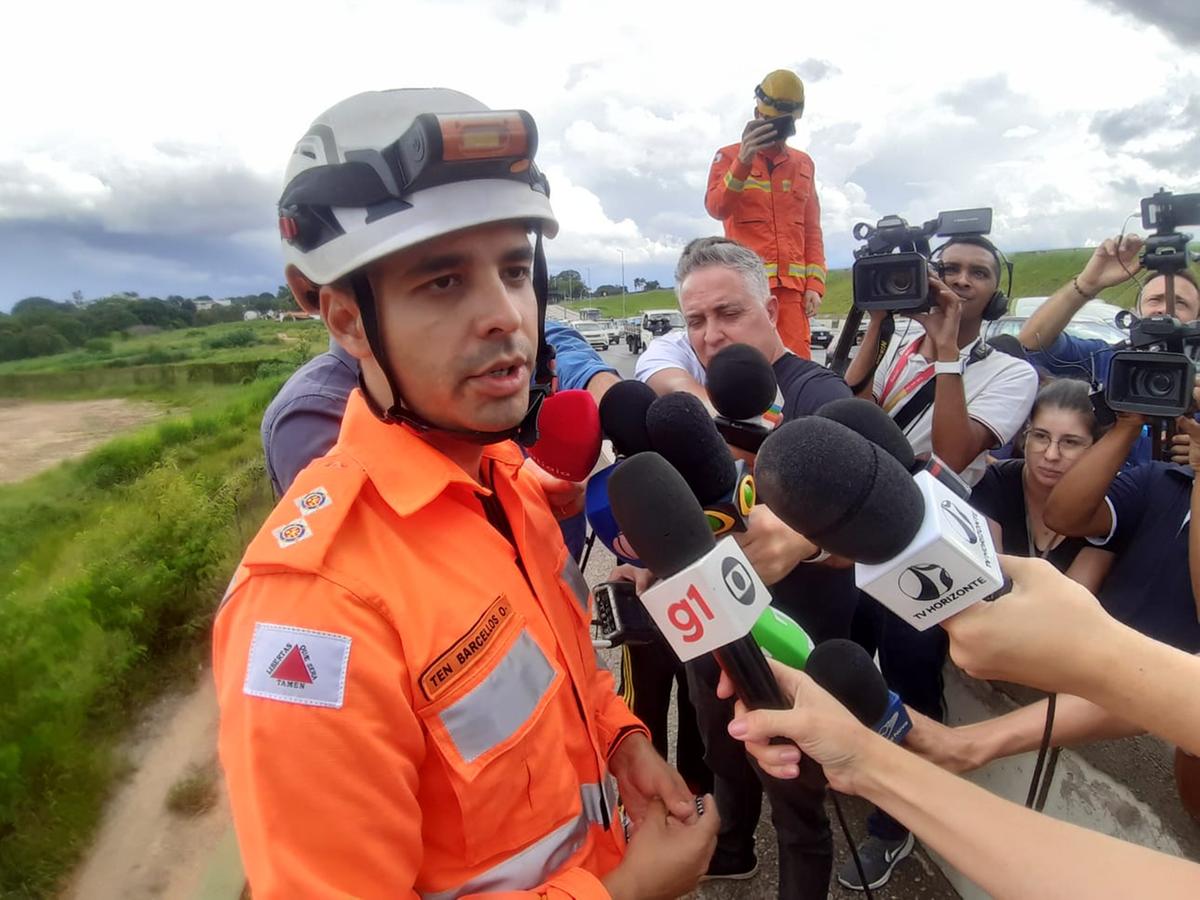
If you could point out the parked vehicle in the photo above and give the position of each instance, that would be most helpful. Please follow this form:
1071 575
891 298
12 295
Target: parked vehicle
594 333
652 323
821 337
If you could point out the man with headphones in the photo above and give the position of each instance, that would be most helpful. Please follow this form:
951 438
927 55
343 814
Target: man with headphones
957 398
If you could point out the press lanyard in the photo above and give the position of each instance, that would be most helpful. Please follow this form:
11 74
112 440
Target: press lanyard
890 401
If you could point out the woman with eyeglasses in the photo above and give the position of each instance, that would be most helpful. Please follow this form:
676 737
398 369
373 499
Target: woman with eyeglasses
1012 493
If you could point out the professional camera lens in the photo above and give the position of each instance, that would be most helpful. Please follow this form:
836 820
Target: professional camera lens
1155 384
898 282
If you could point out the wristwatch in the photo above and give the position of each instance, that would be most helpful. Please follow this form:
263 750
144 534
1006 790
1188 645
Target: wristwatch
957 367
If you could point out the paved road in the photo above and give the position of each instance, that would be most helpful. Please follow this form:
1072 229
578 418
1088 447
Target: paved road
623 361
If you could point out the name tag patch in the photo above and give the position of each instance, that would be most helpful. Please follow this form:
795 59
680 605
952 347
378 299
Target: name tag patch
297 665
446 669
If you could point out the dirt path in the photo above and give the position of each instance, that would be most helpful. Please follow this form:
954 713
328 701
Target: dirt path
143 850
35 436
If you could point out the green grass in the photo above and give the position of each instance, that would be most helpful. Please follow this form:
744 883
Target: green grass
1035 273
111 568
227 343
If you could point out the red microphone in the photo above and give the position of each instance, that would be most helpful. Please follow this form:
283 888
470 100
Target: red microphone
568 443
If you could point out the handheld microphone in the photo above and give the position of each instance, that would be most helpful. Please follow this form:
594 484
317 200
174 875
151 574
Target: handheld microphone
623 421
709 597
682 432
845 670
866 418
568 443
623 416
919 550
742 387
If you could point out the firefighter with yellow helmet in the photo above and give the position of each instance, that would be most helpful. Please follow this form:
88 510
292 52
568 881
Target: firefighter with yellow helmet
765 194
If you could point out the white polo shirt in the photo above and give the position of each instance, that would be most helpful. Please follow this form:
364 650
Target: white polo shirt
999 389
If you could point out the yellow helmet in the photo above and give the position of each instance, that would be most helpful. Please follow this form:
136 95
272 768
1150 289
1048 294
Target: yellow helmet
780 93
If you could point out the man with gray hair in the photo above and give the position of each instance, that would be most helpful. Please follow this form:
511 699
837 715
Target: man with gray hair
725 298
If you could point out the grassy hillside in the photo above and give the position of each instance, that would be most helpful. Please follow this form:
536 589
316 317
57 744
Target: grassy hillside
1035 273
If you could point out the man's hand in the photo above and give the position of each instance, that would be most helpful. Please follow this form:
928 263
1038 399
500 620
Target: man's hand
1110 265
812 303
821 727
642 776
951 748
640 578
665 858
941 322
756 136
771 546
566 498
1036 635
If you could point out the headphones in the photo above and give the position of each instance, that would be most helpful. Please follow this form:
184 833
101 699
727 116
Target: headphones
997 304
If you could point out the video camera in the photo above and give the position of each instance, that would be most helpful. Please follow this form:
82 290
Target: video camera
899 281
1156 377
1167 249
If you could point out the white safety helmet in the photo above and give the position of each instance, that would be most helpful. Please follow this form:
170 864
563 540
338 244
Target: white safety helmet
386 170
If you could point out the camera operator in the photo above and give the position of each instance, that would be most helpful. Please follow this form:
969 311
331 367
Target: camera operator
1114 262
765 194
725 299
957 398
1142 514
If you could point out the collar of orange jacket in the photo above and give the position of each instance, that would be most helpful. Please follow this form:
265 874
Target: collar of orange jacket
408 472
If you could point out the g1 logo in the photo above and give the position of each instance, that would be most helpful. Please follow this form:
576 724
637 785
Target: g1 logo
688 615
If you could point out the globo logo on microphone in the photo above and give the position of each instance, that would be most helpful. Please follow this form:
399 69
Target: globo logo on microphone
712 602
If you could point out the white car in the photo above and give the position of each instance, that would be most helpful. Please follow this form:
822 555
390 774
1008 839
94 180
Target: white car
1093 310
592 332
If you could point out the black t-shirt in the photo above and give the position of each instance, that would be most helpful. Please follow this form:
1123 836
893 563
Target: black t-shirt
806 386
819 598
1000 495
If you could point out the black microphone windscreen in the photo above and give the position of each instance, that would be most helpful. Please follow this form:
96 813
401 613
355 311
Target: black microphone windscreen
741 383
866 418
838 489
845 670
658 514
683 432
623 416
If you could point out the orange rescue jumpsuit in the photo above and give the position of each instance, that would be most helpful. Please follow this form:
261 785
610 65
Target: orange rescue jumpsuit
771 207
409 707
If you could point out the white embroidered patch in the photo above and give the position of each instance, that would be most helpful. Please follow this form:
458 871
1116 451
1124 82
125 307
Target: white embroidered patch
297 665
318 498
292 533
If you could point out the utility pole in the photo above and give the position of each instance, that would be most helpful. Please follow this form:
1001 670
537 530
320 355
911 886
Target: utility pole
623 311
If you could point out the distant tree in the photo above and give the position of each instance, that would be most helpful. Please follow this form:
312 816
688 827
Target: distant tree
607 290
651 286
42 340
639 283
37 306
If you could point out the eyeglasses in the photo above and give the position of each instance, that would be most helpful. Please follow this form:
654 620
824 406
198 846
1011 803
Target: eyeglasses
1068 445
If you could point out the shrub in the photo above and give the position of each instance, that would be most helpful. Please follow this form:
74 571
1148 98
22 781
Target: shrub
98 345
243 337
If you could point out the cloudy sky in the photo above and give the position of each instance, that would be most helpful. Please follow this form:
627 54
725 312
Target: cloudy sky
144 142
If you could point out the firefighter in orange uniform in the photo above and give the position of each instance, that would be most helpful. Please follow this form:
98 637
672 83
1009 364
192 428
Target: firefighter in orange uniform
765 194
410 702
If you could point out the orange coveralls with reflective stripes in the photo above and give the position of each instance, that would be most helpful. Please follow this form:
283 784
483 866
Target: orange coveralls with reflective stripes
771 207
407 708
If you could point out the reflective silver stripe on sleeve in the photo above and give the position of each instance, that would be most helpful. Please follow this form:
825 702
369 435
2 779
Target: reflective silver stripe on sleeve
527 869
501 703
576 582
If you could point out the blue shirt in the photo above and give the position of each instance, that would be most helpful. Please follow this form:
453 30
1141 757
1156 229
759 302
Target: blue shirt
1074 357
1149 587
304 419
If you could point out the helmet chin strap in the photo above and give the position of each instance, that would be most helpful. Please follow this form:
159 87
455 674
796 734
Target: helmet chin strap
525 432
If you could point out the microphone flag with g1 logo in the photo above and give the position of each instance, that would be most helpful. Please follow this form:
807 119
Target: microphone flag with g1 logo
712 602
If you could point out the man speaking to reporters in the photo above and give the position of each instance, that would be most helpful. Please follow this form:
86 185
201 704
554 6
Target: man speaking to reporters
410 703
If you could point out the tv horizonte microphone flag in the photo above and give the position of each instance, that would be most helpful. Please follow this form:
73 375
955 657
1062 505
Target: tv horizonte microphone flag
949 564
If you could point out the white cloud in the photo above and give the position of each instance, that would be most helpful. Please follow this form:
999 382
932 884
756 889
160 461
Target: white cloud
155 120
